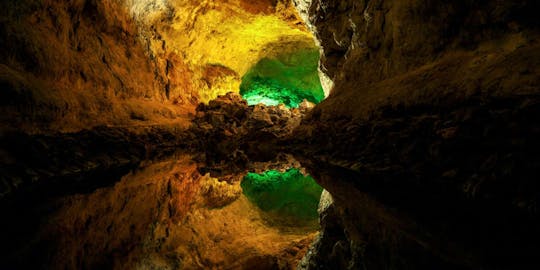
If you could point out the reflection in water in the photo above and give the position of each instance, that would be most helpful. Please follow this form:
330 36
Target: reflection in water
166 215
288 194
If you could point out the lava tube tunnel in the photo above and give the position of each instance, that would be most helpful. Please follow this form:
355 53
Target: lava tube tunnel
269 134
287 78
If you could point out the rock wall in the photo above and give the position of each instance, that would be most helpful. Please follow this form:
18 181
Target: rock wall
427 137
374 40
77 64
386 53
222 40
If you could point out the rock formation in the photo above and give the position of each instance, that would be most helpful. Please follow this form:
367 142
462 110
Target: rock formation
124 134
68 66
429 131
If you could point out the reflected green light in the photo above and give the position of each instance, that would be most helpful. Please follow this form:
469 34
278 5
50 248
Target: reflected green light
287 194
288 79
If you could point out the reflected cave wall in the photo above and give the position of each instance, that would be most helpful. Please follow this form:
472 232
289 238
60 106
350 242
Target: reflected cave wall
427 142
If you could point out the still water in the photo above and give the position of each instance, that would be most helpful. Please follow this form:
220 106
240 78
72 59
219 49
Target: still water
167 215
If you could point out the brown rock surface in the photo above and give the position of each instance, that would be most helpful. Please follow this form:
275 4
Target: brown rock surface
67 66
230 132
427 137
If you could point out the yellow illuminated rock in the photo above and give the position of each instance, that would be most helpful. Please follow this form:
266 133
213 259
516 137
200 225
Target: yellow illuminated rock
133 62
231 36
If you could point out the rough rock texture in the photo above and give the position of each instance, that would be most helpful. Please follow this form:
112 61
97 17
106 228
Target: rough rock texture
427 142
218 41
229 131
77 64
69 65
410 53
374 40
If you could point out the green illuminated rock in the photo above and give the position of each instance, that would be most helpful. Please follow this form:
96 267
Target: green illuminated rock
288 79
286 194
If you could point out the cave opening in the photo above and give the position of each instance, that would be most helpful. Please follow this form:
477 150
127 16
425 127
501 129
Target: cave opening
288 79
290 194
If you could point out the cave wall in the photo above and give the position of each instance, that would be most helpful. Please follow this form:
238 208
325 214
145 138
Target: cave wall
79 64
427 142
69 65
222 40
92 90
377 51
427 139
121 76
382 39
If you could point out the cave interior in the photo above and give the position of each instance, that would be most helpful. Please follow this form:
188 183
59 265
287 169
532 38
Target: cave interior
270 134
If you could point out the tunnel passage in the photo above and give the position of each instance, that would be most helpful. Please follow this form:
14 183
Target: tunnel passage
288 194
287 78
